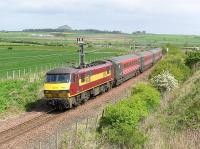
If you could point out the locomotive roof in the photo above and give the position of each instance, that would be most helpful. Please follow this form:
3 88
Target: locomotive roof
124 57
62 70
93 65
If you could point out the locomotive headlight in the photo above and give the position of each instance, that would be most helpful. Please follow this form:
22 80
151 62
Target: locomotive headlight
46 92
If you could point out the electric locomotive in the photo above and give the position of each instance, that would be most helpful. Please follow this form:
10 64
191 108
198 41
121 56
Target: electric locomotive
68 87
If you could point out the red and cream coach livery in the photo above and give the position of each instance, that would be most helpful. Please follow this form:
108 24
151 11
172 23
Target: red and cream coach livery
65 88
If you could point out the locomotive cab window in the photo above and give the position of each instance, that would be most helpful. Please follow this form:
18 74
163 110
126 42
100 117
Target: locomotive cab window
82 78
60 78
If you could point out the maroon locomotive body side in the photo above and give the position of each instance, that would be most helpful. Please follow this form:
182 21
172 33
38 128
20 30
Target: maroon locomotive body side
88 78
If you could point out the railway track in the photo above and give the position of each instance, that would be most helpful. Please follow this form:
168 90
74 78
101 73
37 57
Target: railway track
16 132
22 128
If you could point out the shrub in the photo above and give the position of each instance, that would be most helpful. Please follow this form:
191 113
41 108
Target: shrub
125 136
175 65
146 92
165 82
10 48
127 111
120 121
192 58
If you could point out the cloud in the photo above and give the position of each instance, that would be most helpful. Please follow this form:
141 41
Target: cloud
175 16
146 6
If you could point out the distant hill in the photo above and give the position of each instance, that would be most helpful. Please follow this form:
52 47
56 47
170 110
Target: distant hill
64 27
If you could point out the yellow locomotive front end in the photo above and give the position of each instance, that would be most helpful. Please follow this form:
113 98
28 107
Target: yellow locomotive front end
57 88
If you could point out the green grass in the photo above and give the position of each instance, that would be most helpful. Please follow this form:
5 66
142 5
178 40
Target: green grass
20 57
184 112
119 125
18 94
23 50
177 122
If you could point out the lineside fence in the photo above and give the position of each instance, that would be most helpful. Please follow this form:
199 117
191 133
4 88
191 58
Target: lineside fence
35 71
76 136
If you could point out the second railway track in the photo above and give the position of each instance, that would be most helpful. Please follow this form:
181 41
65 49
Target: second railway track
22 128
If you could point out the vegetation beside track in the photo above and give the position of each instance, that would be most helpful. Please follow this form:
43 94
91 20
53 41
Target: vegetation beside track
177 122
131 123
174 62
19 95
121 121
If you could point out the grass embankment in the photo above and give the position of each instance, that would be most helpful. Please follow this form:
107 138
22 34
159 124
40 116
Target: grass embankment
181 113
18 95
177 123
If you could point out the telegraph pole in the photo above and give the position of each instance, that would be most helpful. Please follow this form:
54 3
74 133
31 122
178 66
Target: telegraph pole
81 52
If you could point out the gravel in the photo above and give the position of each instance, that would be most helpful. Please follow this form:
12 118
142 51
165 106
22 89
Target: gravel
66 120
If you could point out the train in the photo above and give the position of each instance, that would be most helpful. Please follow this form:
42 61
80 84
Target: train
65 88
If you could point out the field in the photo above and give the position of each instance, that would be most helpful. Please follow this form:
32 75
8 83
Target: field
25 52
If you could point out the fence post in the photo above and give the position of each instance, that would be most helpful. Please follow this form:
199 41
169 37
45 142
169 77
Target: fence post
86 125
40 145
56 140
34 77
96 121
13 74
36 71
24 71
7 74
76 128
41 69
70 142
19 73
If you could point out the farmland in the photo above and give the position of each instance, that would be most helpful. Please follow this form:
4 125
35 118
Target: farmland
19 52
31 52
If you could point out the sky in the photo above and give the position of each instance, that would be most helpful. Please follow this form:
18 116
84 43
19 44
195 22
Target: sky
153 16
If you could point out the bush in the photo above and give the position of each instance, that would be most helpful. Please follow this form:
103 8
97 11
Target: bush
165 82
147 93
175 64
125 135
192 58
10 48
120 121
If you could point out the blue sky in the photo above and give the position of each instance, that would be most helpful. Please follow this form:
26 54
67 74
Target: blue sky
154 16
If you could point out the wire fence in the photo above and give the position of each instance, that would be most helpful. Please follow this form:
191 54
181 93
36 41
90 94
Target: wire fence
35 71
69 137
76 134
